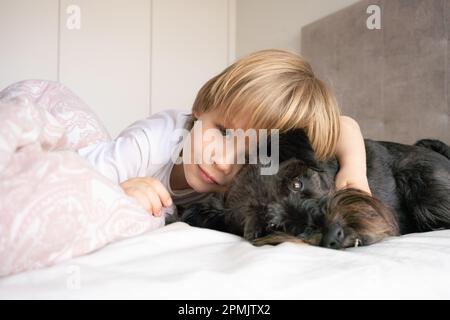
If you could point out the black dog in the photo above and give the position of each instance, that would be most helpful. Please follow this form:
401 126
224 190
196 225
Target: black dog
410 186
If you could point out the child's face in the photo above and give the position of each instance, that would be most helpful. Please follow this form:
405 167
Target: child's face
221 167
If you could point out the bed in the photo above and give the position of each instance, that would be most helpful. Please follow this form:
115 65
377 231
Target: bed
182 262
151 261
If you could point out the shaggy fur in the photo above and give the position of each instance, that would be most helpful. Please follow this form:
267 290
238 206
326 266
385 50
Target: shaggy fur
410 187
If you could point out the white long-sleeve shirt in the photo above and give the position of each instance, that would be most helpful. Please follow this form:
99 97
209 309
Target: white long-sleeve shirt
144 149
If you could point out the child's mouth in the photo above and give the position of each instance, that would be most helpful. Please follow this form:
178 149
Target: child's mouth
206 177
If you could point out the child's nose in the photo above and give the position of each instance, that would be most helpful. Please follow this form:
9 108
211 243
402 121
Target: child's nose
223 162
225 168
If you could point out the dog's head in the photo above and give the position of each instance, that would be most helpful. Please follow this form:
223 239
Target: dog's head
296 205
289 202
299 204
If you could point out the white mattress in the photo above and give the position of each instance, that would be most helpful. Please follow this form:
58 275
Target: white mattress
182 262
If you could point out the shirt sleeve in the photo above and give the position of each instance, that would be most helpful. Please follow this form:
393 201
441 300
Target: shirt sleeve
122 158
140 150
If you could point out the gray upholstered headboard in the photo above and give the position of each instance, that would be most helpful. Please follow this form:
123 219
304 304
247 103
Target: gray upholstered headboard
394 81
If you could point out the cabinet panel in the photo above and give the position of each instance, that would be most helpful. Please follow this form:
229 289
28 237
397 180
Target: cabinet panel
189 46
29 40
107 60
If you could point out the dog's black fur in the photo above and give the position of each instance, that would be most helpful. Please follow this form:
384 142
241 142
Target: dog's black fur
410 187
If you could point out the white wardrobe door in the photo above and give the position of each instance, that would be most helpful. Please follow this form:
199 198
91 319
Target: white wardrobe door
107 60
29 40
190 44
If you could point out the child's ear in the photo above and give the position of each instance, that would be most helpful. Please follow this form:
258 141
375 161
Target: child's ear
195 115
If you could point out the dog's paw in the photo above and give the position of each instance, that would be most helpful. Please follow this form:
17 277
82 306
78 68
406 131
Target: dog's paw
253 229
252 235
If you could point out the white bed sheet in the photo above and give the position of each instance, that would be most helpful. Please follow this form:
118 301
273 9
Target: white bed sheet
183 262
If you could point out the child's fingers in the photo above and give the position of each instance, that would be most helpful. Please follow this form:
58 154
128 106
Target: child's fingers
162 192
341 185
155 202
141 196
148 198
150 192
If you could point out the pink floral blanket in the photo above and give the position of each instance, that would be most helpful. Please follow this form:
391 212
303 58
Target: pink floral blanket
53 204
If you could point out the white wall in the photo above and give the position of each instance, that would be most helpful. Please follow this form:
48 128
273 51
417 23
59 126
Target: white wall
191 42
133 58
264 24
28 40
107 61
128 59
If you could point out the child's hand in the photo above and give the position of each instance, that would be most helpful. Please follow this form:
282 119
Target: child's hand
349 178
149 192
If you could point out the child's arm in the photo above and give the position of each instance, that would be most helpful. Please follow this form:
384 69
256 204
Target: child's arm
351 155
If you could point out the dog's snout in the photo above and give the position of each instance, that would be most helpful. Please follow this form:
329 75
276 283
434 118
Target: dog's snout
334 237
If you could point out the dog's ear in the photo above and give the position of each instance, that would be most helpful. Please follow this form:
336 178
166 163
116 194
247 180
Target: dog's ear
295 144
361 214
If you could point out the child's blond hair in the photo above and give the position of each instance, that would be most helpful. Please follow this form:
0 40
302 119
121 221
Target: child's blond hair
279 89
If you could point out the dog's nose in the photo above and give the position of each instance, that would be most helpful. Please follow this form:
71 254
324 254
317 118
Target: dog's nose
334 237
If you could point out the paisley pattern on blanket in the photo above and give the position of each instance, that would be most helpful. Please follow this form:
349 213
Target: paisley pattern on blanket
81 124
53 204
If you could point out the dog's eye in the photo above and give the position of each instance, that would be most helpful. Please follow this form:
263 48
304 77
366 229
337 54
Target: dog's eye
275 227
296 184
